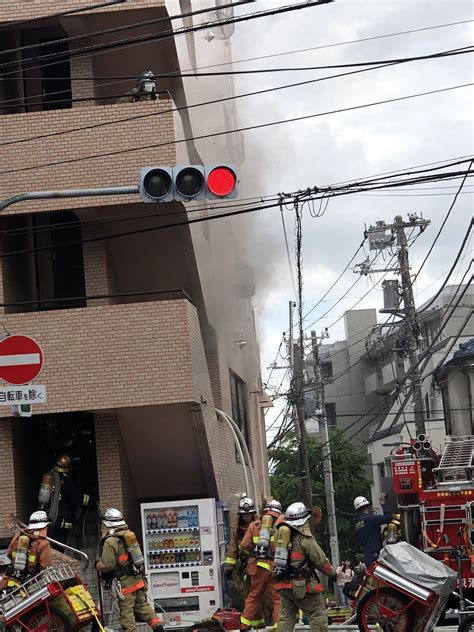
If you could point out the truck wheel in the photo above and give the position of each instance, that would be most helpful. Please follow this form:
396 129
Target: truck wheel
388 608
39 620
467 625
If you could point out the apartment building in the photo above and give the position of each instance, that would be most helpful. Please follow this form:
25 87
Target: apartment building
146 334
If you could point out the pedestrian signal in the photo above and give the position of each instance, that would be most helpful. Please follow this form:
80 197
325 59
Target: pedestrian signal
188 182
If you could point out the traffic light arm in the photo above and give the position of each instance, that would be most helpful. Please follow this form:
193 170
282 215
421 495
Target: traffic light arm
68 193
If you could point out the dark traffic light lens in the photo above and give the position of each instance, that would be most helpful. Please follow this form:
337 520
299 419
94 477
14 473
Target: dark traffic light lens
221 181
189 182
157 183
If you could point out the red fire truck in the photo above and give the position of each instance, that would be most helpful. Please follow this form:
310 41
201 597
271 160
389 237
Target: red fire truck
436 495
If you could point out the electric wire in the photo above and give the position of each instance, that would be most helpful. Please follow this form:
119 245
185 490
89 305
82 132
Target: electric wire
147 39
233 131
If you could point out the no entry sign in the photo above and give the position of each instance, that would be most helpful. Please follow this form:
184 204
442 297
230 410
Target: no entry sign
21 359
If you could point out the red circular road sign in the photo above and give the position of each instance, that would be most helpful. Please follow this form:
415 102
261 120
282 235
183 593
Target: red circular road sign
21 359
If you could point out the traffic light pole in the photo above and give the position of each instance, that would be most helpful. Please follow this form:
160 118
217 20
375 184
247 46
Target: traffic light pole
68 193
327 461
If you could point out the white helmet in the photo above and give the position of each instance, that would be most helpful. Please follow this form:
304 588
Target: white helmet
246 505
273 506
113 518
297 514
38 520
361 502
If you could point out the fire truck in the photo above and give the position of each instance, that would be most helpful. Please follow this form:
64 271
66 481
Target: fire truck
435 496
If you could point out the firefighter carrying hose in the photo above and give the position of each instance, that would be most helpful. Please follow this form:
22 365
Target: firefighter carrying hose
259 543
298 558
235 559
59 496
29 551
122 569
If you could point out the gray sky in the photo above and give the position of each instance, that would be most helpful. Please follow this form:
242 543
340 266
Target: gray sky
350 145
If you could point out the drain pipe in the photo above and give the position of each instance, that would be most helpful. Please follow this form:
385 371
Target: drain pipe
242 449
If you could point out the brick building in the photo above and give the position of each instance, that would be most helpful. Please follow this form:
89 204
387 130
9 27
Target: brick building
146 334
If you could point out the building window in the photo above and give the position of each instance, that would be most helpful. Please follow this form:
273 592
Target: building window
331 415
47 275
381 468
239 399
326 370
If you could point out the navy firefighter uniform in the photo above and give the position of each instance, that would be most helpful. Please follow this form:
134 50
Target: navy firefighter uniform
368 532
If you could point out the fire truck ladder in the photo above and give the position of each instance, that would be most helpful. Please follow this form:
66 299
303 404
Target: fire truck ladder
456 464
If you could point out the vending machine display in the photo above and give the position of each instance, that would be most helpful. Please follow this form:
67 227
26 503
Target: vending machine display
181 545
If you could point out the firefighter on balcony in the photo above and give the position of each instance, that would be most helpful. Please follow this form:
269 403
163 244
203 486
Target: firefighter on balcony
368 528
298 558
145 90
59 496
236 559
29 551
122 567
259 544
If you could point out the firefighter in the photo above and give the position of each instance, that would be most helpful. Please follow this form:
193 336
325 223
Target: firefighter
29 550
259 543
123 561
245 515
368 533
298 557
60 497
145 90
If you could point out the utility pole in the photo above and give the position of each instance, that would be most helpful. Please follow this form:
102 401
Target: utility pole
291 358
382 236
298 378
326 454
411 323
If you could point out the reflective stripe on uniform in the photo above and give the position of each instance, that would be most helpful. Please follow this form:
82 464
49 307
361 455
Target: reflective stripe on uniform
31 557
85 500
154 622
255 539
284 585
123 557
296 556
230 561
129 589
66 525
251 623
264 565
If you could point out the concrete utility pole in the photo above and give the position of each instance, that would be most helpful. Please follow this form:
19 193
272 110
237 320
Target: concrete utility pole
379 239
294 417
303 438
326 454
411 323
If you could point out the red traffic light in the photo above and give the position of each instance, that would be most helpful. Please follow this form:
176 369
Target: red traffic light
221 181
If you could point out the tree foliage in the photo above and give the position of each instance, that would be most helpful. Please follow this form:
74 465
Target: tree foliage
350 480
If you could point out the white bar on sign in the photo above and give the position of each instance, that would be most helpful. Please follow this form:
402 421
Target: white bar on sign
19 359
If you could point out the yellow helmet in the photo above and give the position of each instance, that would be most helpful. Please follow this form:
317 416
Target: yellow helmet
64 463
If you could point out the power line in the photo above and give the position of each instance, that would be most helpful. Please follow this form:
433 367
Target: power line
182 108
117 29
91 7
242 129
443 222
191 221
146 39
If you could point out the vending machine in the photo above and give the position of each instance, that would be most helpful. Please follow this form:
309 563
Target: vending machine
183 543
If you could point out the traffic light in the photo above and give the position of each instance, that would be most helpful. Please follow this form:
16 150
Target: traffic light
188 182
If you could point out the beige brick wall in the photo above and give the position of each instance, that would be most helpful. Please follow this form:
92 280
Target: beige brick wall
118 170
116 486
95 264
26 9
111 356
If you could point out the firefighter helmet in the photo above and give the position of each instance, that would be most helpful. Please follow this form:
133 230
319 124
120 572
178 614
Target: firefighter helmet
360 502
38 520
64 463
297 514
274 508
246 506
147 82
113 518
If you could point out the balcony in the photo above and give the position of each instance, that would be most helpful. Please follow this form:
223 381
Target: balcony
114 356
57 160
